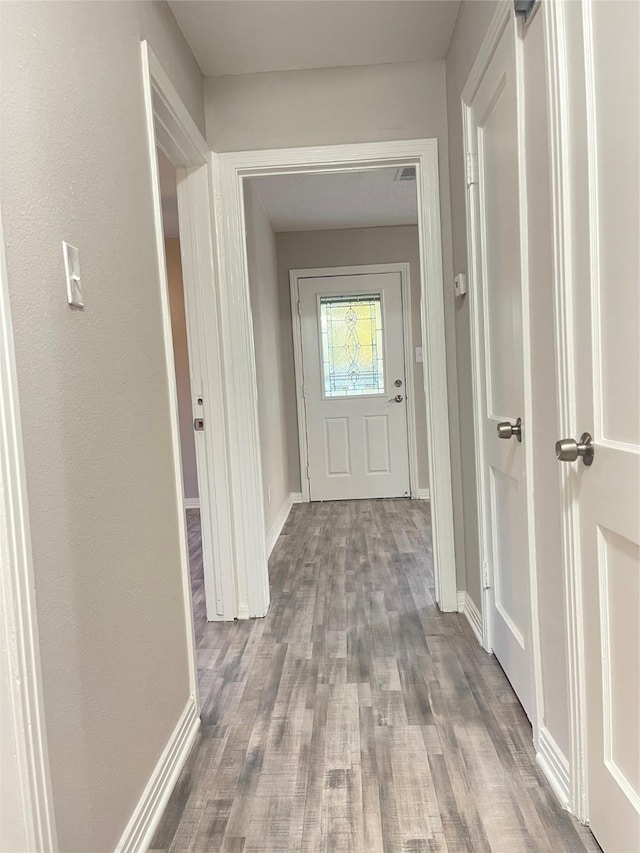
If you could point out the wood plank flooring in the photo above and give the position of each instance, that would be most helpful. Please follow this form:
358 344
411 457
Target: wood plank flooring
355 716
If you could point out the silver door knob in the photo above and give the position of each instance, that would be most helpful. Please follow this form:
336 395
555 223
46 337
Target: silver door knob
397 399
568 449
507 430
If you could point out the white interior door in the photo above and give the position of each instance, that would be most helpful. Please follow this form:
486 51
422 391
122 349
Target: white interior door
607 392
495 204
354 386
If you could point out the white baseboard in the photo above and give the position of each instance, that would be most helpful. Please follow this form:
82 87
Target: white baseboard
281 520
424 495
467 606
192 503
555 766
146 817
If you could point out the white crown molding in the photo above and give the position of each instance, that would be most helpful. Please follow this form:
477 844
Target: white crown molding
148 813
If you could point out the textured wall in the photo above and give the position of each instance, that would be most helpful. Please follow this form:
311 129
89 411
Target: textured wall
181 358
342 105
348 247
271 357
94 396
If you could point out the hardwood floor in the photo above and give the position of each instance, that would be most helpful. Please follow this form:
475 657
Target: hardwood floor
355 716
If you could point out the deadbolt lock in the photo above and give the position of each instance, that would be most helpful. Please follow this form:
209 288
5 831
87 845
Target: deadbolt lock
398 383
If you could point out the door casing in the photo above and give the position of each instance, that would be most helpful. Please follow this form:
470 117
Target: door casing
171 129
295 276
233 169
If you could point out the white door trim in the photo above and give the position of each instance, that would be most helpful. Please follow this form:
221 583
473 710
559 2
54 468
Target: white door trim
171 128
362 269
565 293
504 16
487 49
246 472
19 644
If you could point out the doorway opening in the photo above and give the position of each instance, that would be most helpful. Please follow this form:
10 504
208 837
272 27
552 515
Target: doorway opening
248 186
189 404
334 266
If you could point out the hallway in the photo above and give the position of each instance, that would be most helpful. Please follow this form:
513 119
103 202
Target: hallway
355 716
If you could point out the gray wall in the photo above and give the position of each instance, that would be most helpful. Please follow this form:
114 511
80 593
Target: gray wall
468 34
341 105
181 359
94 396
348 247
272 359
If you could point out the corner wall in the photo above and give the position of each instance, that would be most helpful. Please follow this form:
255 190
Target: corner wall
103 503
271 358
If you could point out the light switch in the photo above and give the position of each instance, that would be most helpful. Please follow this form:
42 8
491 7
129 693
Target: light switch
418 355
72 269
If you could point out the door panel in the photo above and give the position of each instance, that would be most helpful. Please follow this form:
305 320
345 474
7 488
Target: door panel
496 204
377 445
337 453
610 489
352 355
604 104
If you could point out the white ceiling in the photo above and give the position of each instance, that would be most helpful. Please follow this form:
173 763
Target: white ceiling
337 200
249 36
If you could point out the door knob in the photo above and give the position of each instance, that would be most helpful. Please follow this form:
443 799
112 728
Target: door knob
568 449
397 399
507 430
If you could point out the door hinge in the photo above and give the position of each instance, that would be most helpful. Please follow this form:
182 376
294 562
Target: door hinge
299 312
308 473
472 169
485 576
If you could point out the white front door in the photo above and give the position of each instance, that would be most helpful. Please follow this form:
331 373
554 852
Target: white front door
354 386
495 204
606 494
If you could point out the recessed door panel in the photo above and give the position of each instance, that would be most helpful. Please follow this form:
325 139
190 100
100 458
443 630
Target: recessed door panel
507 553
498 158
337 455
619 575
376 443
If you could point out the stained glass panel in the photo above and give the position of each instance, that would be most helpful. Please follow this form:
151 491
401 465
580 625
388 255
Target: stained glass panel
352 352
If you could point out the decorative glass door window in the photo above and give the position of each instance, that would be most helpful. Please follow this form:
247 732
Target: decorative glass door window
352 350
